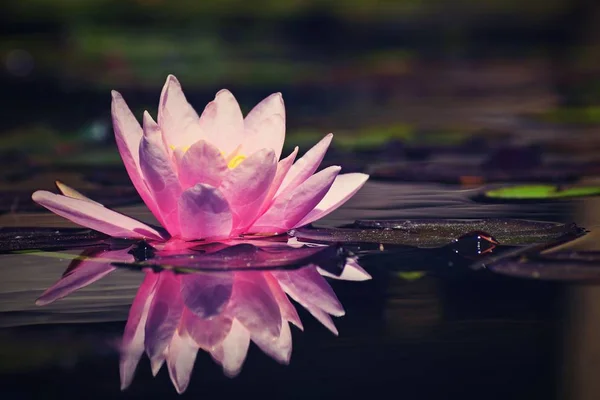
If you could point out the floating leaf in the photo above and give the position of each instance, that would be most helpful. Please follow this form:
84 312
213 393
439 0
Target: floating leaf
541 192
13 239
563 266
438 232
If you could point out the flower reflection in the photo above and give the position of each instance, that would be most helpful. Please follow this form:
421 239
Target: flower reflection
231 295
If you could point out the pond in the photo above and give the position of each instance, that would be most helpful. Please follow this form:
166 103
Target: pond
439 305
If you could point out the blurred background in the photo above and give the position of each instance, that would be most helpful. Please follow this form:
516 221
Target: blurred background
412 70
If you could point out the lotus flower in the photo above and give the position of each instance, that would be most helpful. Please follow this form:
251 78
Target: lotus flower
175 315
211 177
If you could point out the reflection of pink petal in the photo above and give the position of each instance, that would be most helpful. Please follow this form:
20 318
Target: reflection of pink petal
254 306
86 272
281 349
306 285
164 315
180 360
95 217
206 332
205 294
351 272
288 311
231 354
132 346
320 315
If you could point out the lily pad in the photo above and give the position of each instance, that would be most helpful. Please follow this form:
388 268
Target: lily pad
17 239
561 266
439 232
246 257
540 192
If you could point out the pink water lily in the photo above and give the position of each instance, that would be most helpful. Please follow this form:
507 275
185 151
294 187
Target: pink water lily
214 176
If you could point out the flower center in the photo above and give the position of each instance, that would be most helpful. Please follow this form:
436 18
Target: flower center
233 160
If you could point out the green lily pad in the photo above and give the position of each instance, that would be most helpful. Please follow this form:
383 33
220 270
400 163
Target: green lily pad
541 192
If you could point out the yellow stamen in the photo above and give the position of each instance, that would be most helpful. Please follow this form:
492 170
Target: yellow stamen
235 161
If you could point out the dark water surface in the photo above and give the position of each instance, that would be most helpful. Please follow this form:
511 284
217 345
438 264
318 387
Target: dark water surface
424 327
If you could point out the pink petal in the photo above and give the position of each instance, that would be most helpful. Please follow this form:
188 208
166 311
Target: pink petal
83 273
204 213
351 272
265 126
74 194
95 217
164 315
344 187
180 360
305 166
157 168
128 135
222 122
231 354
283 167
132 346
202 163
176 117
246 186
281 349
306 285
287 309
321 316
288 209
206 294
207 332
253 304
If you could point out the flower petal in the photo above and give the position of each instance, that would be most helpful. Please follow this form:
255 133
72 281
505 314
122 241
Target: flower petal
265 126
176 117
309 286
281 348
204 213
253 304
231 354
283 166
83 272
351 272
180 360
344 187
132 344
157 168
128 135
207 332
164 315
287 210
222 122
95 217
246 186
70 192
305 166
206 294
287 309
202 163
